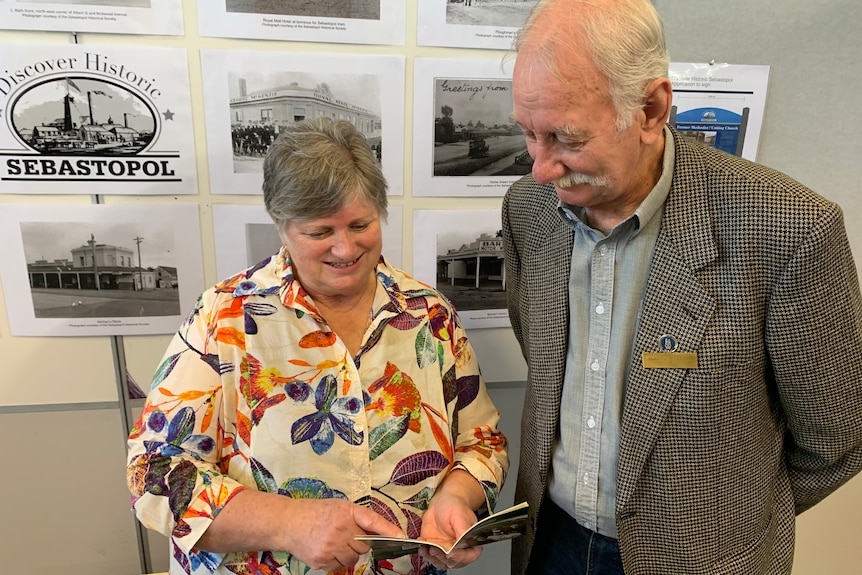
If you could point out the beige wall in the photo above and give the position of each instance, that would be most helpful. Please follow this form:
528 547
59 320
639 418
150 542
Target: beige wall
64 508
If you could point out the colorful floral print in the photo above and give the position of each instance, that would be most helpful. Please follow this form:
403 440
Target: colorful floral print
256 392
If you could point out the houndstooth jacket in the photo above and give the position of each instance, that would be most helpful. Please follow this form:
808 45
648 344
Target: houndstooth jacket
753 272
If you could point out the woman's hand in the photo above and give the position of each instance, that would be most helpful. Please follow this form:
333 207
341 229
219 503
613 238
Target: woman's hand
449 515
318 532
326 538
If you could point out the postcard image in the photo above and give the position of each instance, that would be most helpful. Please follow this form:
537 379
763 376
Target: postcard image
465 141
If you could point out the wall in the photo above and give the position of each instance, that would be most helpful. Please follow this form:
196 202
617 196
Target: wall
65 508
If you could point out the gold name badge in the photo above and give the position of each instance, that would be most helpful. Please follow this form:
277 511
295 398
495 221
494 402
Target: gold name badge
669 360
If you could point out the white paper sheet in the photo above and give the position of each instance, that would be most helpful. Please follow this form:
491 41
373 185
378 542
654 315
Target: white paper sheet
490 24
465 236
464 142
147 258
249 96
95 119
357 22
721 105
156 17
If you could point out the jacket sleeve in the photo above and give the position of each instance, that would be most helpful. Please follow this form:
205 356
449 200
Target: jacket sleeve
814 337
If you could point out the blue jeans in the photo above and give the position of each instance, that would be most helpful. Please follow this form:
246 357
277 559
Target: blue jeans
563 547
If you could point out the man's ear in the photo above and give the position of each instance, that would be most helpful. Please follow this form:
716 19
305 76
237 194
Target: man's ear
657 103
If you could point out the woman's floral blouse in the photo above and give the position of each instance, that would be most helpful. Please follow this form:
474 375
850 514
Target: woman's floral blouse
255 392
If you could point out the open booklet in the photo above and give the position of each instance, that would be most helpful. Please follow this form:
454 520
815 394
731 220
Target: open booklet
499 526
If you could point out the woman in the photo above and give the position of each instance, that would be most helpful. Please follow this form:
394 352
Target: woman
319 395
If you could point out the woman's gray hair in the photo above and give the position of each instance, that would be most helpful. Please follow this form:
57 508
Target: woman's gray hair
315 167
626 40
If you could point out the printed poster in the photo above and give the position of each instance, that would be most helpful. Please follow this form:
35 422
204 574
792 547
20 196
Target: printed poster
490 24
154 17
720 105
460 252
251 96
465 143
99 269
354 22
91 119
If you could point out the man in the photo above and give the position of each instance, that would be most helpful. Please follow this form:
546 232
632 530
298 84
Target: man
691 321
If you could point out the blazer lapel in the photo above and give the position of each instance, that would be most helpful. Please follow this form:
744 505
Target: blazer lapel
675 303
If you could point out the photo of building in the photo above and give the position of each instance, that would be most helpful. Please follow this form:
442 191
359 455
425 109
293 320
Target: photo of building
473 275
101 280
259 115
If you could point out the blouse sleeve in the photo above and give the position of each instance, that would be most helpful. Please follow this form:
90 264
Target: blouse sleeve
480 447
180 447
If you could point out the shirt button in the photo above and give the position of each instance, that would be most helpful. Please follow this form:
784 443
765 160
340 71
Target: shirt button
603 249
586 478
600 309
591 422
595 365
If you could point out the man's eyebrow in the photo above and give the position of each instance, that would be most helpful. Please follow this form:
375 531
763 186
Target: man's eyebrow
572 132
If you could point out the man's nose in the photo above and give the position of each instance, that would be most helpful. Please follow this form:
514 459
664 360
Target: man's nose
547 166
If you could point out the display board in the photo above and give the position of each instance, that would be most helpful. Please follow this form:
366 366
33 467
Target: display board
810 131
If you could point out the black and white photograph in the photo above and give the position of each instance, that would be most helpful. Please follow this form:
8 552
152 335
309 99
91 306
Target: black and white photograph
96 119
245 235
460 252
253 96
465 143
99 269
162 17
361 9
487 24
335 21
262 104
473 135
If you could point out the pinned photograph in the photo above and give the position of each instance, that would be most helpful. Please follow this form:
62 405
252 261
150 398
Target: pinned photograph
460 252
465 142
99 269
338 21
245 235
250 97
489 24
159 17
719 105
87 119
361 9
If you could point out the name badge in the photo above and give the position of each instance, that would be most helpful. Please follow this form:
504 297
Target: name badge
668 357
669 360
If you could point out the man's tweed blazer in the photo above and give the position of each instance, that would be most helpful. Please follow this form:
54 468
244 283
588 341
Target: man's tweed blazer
753 272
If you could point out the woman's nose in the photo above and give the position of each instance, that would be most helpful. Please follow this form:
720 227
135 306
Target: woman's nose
342 243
